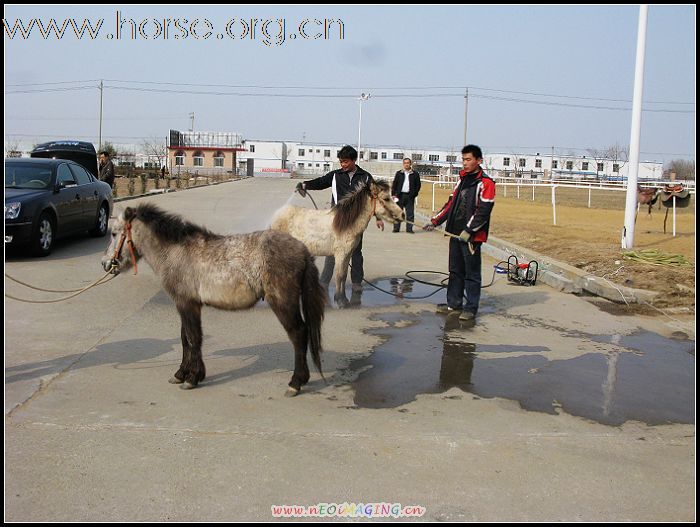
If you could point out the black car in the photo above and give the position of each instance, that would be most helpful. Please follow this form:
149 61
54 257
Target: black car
50 198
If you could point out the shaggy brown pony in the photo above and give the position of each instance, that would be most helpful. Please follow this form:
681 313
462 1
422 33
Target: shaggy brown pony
198 267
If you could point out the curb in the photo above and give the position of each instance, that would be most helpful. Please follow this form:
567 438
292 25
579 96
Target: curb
565 277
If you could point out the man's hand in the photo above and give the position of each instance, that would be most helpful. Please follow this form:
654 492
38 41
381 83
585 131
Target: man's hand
380 224
429 227
301 190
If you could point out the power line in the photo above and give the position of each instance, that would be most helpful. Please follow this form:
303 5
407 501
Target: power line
327 88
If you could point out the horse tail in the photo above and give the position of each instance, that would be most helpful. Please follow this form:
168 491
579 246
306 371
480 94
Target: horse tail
313 302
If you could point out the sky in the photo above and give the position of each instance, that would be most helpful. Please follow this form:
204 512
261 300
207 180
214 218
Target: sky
539 77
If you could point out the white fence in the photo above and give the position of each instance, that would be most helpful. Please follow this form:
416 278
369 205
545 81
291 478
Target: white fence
520 185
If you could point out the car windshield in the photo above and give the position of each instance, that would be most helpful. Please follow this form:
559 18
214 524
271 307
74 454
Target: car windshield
37 177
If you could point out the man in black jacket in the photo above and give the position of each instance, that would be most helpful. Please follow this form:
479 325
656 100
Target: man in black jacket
106 168
405 190
343 181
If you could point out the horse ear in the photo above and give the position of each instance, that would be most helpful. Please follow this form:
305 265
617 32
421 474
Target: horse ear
129 214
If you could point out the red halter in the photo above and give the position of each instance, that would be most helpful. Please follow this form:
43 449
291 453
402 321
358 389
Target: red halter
126 236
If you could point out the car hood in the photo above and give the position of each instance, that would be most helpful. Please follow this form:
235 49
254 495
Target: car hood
22 194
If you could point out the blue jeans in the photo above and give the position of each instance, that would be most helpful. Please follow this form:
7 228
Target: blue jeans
465 276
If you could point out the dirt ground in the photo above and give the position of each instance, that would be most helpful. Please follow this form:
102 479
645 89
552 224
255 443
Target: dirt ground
589 238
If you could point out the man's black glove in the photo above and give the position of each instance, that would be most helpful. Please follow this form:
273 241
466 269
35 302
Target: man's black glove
301 190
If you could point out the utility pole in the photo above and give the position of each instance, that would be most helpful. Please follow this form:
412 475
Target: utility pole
466 107
631 201
192 122
99 140
363 97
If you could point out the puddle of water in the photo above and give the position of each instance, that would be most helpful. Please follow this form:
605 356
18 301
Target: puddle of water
655 385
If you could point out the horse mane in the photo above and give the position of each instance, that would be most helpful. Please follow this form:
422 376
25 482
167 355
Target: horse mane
167 226
349 208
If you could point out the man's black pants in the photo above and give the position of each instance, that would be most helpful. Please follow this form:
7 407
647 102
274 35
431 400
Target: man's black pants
407 203
465 276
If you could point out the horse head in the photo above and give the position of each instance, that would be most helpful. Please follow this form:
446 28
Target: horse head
117 257
386 209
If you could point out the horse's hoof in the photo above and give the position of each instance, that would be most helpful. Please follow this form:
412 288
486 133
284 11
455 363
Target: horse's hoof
291 392
187 386
175 380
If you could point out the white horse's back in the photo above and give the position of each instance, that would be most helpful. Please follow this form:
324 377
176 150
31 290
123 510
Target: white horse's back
313 227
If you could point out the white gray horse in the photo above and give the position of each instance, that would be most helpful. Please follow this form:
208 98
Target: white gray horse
336 232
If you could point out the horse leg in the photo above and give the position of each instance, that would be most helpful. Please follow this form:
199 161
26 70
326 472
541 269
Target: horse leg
341 275
192 369
288 313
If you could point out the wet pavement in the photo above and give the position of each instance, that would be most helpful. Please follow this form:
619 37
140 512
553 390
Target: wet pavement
650 379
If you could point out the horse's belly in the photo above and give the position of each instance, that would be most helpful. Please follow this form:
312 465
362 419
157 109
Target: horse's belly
229 297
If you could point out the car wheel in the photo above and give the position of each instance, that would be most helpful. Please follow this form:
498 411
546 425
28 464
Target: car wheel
44 235
102 220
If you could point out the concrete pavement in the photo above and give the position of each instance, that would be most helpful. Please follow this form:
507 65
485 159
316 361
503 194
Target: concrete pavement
95 433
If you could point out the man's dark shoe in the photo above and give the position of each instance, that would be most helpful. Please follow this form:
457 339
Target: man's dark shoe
409 232
467 316
444 308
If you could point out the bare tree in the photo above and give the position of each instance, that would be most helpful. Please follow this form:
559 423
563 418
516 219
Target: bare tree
12 148
619 155
155 148
599 156
684 169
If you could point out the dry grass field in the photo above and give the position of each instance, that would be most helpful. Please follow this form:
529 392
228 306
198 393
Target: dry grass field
589 238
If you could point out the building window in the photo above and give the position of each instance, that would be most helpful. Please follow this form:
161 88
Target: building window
302 152
326 153
521 162
326 166
252 149
538 163
301 165
179 158
373 155
383 155
318 165
584 165
362 155
506 161
451 159
198 159
555 164
433 157
337 153
600 167
318 151
616 167
569 165
398 155
417 157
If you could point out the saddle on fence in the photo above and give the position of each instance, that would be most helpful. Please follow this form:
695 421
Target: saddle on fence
679 192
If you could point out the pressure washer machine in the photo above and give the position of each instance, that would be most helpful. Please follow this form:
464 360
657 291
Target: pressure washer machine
522 273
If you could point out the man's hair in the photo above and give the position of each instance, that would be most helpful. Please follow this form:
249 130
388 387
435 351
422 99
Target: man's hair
408 159
347 152
473 150
104 153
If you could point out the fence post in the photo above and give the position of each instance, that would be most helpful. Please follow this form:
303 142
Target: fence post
674 216
434 183
589 196
533 192
554 203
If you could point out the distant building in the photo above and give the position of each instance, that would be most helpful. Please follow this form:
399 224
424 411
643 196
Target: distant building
203 152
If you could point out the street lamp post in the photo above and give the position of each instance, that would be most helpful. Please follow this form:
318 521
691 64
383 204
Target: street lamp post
363 97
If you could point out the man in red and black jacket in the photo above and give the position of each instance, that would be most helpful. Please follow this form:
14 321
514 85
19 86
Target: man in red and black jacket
467 213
